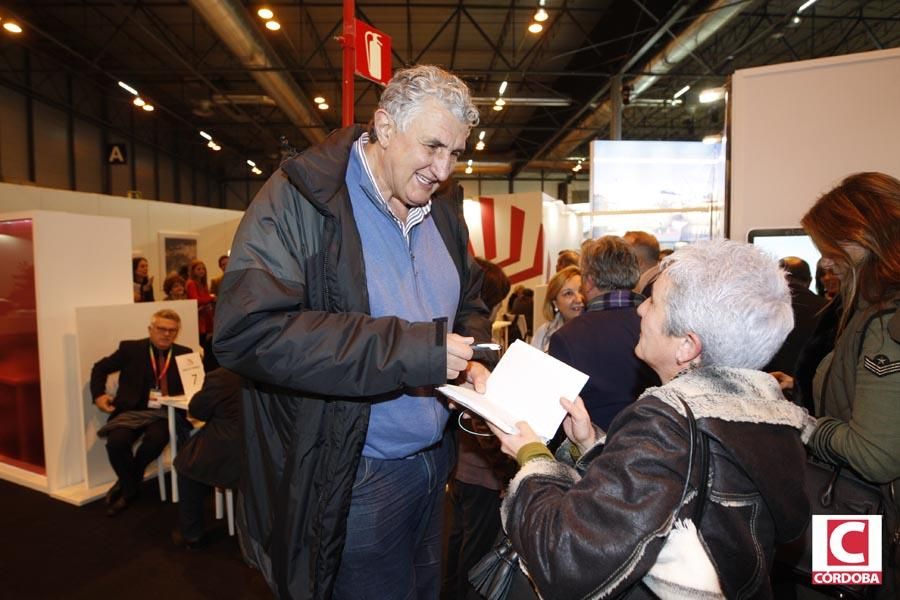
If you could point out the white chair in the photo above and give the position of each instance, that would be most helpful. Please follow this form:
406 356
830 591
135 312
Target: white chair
161 476
229 507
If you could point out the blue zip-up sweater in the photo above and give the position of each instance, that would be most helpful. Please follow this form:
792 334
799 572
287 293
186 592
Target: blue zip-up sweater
413 279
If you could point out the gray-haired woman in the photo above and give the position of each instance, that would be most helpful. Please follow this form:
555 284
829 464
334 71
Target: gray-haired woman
596 527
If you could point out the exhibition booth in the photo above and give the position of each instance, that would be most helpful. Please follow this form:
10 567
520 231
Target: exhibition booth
65 275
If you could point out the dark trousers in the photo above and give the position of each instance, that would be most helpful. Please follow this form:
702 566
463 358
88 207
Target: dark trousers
192 495
129 467
474 515
393 545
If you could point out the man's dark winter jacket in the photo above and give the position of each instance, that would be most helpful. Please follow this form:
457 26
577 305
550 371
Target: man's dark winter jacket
293 319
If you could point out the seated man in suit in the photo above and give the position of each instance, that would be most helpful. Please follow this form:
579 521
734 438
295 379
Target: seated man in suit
147 371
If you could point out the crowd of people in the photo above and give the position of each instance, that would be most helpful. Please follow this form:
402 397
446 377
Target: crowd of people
350 295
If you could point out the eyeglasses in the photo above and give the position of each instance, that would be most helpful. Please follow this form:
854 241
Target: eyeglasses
166 330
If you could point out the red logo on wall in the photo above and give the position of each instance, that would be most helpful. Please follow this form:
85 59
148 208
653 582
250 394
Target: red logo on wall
373 53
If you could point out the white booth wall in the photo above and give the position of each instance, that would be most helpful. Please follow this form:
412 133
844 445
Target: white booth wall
799 128
74 266
213 227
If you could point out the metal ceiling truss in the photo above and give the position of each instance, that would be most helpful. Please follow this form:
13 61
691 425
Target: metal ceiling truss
176 58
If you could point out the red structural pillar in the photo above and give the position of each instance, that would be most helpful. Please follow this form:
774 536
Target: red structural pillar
349 62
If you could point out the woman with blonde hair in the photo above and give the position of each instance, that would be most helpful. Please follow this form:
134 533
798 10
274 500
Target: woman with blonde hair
562 303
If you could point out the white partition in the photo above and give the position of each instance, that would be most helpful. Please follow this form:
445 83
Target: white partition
78 260
214 227
100 329
801 127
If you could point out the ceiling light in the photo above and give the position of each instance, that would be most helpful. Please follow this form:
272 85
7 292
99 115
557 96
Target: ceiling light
577 167
497 107
479 145
481 135
541 15
12 27
712 95
503 87
139 101
256 171
500 102
216 147
805 5
211 144
273 25
205 135
323 106
535 27
319 100
251 163
128 88
468 170
265 13
148 107
681 92
796 20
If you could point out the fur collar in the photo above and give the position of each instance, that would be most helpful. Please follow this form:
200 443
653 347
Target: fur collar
737 395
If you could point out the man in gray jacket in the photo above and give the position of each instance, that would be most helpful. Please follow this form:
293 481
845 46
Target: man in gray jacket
349 295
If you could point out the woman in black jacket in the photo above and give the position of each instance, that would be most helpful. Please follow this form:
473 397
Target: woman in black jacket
632 510
211 458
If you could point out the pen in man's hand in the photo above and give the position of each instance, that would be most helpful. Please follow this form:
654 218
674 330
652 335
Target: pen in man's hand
485 346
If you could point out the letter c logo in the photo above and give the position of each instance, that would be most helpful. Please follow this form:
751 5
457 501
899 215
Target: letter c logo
836 543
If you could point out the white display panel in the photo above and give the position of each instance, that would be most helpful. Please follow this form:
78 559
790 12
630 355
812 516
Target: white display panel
674 190
780 243
801 127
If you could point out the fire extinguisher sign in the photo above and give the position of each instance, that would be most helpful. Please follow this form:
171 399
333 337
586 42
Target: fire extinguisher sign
373 53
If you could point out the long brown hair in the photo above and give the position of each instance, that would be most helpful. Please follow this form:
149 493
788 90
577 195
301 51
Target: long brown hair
864 210
191 275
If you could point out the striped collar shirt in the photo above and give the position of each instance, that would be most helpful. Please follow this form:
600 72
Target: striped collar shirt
414 216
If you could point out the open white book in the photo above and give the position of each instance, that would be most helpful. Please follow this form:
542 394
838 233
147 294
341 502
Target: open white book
526 386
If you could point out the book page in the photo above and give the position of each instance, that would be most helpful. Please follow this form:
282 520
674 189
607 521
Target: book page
525 386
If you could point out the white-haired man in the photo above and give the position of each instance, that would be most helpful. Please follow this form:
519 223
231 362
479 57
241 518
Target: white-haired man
349 295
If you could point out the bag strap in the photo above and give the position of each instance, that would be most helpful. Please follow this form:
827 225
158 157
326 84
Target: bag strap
699 444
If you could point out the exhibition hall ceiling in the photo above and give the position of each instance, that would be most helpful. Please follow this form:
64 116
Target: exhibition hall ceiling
213 65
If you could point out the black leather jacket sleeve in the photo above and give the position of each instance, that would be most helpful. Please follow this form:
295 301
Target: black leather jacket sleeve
593 535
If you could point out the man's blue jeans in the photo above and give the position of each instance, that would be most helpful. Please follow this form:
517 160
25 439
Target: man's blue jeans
393 546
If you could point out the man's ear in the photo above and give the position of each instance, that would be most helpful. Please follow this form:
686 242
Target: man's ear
689 349
384 127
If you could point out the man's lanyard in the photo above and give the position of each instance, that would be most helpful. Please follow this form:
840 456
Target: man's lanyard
158 377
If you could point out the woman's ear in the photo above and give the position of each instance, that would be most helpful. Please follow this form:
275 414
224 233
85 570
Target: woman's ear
384 127
689 350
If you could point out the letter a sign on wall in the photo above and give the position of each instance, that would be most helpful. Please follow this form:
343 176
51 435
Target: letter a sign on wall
373 53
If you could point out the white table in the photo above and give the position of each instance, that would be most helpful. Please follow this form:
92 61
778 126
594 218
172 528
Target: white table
171 403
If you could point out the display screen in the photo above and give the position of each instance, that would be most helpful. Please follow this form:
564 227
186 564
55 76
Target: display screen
787 241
